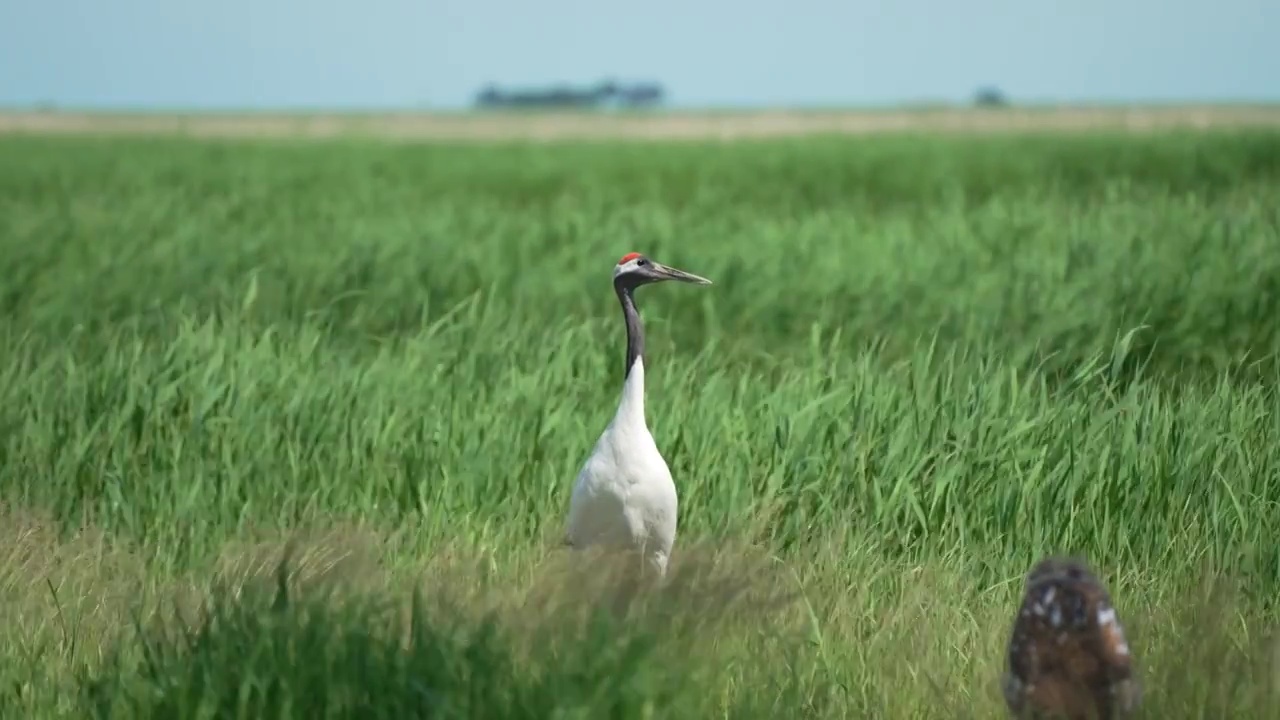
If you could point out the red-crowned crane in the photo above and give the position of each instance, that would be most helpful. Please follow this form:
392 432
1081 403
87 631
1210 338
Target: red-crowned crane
1067 654
624 497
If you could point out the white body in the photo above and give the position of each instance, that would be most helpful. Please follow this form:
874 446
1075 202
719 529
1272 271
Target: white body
624 497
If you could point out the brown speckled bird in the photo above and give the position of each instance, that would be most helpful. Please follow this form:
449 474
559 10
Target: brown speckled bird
1068 657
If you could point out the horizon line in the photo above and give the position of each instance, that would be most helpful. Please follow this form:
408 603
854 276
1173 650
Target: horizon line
920 105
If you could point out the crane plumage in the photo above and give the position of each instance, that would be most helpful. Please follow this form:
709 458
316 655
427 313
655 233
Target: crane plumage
624 497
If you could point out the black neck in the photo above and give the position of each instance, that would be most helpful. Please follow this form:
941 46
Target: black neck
635 328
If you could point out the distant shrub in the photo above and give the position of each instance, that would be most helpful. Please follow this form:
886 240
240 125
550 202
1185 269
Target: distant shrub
990 96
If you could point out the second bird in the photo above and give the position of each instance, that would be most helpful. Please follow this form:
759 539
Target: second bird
624 497
1067 655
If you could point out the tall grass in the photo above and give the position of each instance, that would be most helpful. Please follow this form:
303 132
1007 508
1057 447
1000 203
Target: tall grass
924 363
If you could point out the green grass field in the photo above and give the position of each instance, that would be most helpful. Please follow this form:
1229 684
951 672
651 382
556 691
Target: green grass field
288 430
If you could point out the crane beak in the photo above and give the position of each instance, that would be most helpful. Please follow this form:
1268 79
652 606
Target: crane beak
661 272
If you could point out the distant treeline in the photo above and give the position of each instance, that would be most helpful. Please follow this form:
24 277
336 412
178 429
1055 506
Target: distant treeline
603 94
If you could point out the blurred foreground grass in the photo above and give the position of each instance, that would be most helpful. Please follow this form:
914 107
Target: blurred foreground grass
925 362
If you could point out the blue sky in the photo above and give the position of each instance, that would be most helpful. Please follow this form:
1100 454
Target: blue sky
241 54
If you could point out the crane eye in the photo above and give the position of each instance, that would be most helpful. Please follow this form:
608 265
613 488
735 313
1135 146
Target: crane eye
641 262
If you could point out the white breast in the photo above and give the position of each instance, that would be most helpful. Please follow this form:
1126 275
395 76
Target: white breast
624 497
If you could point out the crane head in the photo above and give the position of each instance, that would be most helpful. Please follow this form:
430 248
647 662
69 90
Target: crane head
634 270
